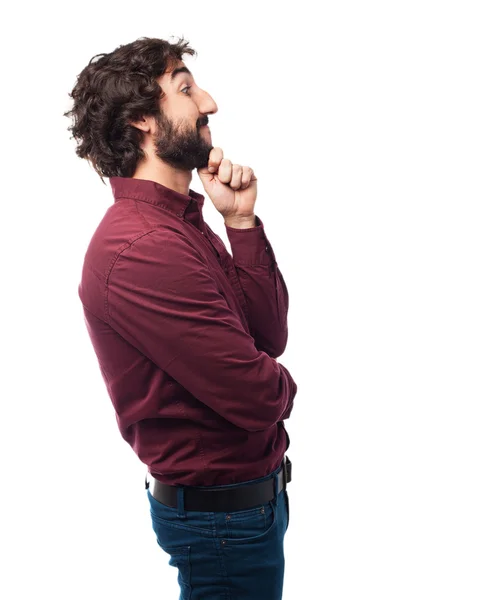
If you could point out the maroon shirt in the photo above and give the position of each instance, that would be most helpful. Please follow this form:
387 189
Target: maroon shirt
186 337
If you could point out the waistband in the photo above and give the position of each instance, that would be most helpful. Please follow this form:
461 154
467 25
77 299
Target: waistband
223 498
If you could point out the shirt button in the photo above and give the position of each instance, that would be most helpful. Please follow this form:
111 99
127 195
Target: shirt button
267 249
178 214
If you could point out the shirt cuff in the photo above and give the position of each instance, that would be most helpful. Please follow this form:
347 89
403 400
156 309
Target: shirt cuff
250 246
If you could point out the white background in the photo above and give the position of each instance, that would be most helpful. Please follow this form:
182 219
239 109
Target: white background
361 122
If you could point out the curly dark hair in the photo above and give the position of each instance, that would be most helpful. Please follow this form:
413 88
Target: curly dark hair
114 90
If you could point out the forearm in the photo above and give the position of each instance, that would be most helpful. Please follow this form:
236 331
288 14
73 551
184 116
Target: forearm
263 286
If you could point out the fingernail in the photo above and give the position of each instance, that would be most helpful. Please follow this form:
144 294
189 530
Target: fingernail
211 169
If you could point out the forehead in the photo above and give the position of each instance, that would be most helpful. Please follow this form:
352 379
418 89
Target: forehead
174 71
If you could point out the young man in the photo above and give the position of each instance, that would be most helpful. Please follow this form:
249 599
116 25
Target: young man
187 335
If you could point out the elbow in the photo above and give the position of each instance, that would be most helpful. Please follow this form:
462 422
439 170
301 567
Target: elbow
278 345
278 410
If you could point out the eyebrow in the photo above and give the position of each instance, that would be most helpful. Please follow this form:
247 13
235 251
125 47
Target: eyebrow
178 71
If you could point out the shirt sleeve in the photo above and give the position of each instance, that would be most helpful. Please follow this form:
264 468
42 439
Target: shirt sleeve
163 299
263 286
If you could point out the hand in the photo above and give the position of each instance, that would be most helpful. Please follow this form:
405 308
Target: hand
232 188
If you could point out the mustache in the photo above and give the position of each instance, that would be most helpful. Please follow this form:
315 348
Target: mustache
203 121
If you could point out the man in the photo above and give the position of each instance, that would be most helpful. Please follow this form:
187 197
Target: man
186 335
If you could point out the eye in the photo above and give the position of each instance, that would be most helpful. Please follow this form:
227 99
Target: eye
188 87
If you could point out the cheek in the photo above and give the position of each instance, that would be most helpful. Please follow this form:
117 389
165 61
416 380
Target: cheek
184 113
194 113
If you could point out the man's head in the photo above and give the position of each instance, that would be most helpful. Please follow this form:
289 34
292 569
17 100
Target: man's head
179 135
141 103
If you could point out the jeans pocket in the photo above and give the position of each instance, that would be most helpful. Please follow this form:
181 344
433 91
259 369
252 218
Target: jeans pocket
166 516
253 524
180 558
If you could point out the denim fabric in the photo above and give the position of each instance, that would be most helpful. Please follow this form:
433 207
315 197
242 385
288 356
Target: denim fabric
226 556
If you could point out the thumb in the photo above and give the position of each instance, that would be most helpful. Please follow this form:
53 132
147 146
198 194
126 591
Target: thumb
205 175
203 171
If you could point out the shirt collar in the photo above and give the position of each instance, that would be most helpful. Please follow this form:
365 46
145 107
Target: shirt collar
154 193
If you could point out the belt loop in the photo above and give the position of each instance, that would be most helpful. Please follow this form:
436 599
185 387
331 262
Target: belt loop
181 502
285 473
147 483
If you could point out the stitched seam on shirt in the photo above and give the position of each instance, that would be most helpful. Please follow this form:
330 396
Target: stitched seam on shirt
240 263
116 256
128 245
142 198
164 207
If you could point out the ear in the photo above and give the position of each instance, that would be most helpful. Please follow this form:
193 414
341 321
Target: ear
145 124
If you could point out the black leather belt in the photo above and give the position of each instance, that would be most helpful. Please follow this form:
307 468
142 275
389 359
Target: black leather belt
220 499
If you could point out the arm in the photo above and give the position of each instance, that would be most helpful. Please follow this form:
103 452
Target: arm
164 301
233 191
262 283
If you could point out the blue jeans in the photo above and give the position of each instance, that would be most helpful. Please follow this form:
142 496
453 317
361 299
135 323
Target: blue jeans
226 556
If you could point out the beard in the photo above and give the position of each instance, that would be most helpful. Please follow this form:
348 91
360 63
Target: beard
181 146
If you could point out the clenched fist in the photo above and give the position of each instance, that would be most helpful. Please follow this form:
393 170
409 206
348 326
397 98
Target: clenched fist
232 188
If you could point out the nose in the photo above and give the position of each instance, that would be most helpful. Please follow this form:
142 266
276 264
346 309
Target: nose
207 105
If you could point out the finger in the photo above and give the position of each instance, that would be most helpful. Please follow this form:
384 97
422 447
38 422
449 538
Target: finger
224 171
214 159
236 177
246 178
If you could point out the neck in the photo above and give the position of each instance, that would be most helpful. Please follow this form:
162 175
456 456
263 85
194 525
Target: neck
157 170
